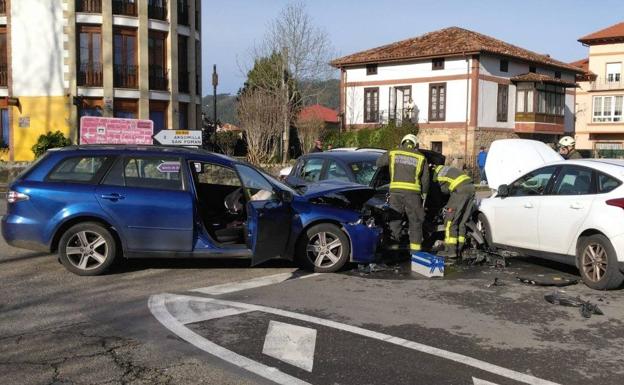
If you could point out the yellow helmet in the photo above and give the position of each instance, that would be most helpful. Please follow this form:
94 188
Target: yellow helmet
409 138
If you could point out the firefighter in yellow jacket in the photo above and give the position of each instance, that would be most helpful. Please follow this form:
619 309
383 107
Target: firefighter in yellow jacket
458 209
409 182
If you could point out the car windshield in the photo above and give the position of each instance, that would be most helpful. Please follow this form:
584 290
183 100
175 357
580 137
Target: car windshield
363 171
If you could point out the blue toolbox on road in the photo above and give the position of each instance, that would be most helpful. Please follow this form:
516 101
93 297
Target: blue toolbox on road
427 264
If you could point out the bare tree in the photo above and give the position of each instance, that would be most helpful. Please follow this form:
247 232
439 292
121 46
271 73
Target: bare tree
304 51
308 131
259 113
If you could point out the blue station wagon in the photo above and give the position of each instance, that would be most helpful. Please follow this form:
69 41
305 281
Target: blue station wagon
93 204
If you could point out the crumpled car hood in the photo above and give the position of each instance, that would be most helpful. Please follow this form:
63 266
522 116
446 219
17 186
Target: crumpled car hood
342 194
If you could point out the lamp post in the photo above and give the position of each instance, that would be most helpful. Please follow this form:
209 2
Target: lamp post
215 83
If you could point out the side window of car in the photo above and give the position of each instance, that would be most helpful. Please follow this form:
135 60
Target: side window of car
147 172
336 172
311 170
208 173
574 181
83 169
606 183
534 183
257 188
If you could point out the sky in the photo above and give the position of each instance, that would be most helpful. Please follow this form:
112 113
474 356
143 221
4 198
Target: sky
231 28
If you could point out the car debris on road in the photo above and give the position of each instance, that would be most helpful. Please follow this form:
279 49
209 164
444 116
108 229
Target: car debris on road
585 307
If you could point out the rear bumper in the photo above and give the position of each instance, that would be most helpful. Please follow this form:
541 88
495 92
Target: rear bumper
22 233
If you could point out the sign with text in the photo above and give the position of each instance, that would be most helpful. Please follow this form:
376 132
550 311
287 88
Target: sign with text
99 130
179 137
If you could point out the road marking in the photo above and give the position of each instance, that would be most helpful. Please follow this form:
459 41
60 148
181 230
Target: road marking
232 287
158 308
477 381
290 343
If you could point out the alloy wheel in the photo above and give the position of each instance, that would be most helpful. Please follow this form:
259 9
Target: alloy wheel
594 261
324 249
87 250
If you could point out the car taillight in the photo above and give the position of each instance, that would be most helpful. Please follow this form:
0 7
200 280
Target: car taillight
616 202
14 196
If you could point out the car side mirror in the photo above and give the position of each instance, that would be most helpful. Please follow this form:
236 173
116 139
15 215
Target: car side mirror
285 196
503 190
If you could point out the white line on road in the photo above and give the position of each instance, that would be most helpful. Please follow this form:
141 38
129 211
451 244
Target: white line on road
477 381
157 307
250 283
290 343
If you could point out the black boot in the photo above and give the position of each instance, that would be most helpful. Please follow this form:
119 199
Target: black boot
450 252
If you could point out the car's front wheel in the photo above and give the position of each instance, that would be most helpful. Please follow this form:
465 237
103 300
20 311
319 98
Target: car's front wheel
87 249
324 248
597 262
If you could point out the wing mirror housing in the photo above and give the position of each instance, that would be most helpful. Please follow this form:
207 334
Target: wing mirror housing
285 196
503 190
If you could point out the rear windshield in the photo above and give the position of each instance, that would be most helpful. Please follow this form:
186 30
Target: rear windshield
363 171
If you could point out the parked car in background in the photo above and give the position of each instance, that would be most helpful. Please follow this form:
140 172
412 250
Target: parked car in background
352 166
94 204
570 211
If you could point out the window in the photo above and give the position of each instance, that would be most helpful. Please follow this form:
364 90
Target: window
87 6
574 181
534 183
532 69
606 183
363 171
614 71
437 64
4 74
183 12
158 114
436 146
157 60
371 69
183 116
608 108
504 65
183 72
126 108
336 172
157 9
152 172
543 99
5 139
437 101
502 103
213 174
125 7
257 187
126 71
89 56
557 74
198 69
78 170
371 105
311 170
91 107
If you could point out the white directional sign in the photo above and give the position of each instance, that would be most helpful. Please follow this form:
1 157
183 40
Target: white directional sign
179 137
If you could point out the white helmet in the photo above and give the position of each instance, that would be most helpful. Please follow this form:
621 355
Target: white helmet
409 138
567 141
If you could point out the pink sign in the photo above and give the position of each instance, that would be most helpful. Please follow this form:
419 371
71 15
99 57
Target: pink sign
98 130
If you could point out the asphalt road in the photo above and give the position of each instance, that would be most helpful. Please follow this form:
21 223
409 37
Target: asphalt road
58 328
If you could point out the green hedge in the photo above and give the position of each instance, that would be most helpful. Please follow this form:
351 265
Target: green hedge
387 137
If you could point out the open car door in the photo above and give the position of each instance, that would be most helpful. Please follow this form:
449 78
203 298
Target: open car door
268 217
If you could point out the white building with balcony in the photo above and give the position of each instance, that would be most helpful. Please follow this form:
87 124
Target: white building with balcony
600 98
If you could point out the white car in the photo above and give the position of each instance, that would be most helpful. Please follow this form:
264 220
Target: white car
571 211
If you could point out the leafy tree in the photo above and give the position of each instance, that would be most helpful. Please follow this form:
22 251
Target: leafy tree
49 140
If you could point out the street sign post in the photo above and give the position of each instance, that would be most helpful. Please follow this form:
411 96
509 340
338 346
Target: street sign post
99 130
179 137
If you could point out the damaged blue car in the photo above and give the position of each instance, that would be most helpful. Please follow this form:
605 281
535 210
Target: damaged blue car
95 204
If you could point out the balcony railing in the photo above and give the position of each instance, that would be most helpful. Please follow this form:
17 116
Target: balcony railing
3 7
183 82
601 84
183 12
90 75
125 7
88 6
126 76
4 75
157 11
158 78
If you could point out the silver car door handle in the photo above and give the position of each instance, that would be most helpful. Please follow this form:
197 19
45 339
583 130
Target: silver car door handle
112 197
528 205
576 206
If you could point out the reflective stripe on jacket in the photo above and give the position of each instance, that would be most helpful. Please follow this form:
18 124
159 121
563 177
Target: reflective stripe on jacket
449 178
406 170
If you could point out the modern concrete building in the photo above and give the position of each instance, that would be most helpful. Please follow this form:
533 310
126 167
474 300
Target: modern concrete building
463 89
600 98
63 59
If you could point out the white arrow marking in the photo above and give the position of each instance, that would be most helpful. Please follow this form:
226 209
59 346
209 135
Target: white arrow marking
477 381
290 343
250 283
157 305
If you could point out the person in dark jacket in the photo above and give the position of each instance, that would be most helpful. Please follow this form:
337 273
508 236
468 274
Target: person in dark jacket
567 148
459 186
318 146
409 182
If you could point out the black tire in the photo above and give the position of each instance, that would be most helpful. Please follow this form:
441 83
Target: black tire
485 230
597 263
334 258
87 249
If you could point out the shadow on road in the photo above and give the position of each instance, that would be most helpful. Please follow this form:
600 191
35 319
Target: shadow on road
131 265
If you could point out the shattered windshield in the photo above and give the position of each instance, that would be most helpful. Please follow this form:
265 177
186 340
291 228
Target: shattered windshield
363 171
